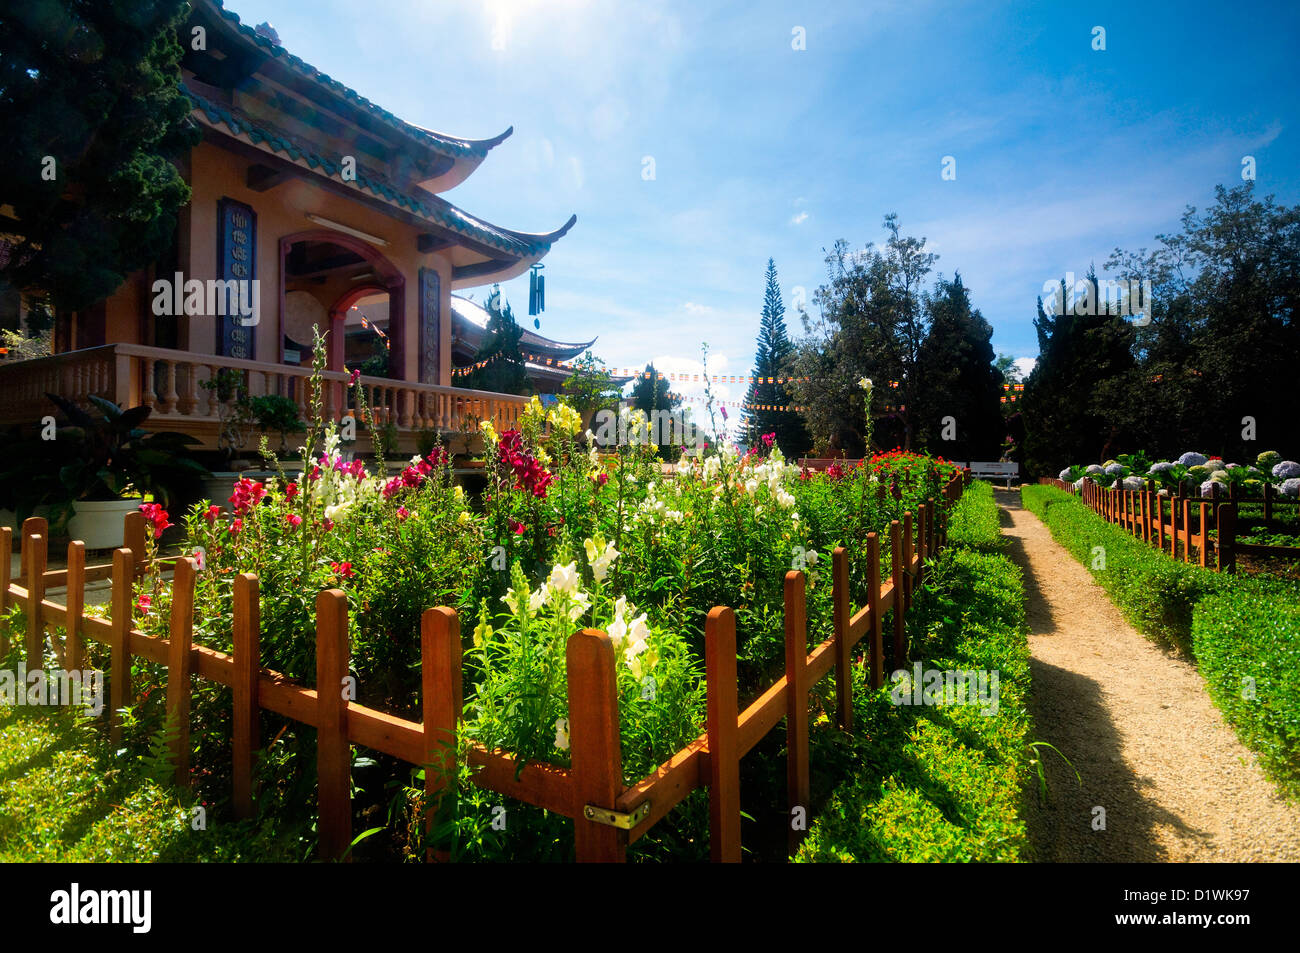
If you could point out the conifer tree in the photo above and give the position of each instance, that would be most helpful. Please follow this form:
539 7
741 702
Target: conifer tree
93 116
503 368
772 355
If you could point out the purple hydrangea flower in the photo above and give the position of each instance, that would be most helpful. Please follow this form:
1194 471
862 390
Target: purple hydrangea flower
1064 474
1115 469
1094 469
1192 459
1134 483
1291 487
1286 470
1211 488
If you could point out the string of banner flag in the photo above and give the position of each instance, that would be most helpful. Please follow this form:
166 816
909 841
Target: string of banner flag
703 378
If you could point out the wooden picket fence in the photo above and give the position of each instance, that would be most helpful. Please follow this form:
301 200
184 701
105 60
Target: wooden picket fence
1183 525
607 814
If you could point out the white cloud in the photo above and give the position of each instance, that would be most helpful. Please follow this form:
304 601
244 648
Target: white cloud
798 218
1024 365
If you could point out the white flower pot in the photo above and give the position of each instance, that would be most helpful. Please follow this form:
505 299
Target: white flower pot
98 523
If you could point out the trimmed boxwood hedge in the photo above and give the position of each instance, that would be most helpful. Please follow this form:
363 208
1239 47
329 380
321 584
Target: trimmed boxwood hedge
944 782
1235 627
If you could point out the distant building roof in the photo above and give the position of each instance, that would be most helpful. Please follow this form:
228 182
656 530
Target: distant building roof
471 319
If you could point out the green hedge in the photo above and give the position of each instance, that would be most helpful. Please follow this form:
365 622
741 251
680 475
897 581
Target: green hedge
1248 650
974 522
943 782
1234 626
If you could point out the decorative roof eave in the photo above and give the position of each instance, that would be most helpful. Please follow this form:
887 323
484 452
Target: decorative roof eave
519 249
453 146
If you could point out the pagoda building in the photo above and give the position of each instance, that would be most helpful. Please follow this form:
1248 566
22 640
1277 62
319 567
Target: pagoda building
317 200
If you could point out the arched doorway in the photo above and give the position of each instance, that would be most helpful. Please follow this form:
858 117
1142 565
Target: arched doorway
342 273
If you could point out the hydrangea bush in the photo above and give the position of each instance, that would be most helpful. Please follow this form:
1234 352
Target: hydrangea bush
1191 474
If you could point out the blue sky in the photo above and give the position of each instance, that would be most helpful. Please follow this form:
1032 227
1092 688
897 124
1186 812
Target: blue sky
1062 152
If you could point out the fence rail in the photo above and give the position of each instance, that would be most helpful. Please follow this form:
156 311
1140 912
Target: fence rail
1184 525
607 814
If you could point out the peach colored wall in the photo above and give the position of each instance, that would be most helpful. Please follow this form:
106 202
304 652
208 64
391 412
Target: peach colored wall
281 211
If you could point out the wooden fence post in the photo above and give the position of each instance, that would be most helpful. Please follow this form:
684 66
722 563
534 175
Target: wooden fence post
922 542
333 753
876 647
899 657
135 538
1204 537
842 608
796 704
32 526
74 651
1187 530
1227 557
724 732
595 755
180 666
36 554
120 647
247 631
442 704
6 578
909 551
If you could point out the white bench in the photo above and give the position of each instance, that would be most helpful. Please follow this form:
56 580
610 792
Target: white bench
993 471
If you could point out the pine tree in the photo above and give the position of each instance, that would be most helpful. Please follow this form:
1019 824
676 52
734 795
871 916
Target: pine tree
504 371
93 116
772 354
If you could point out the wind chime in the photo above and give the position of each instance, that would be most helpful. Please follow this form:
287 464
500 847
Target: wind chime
536 292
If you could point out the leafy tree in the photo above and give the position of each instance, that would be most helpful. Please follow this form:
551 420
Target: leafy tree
503 369
93 87
591 387
773 358
872 323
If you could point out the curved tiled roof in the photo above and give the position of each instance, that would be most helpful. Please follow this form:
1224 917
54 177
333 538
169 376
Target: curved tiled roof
448 145
430 207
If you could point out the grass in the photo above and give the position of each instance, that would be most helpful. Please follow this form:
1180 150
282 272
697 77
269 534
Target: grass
942 782
1243 632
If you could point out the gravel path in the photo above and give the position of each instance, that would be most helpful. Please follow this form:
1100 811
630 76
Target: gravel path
1138 726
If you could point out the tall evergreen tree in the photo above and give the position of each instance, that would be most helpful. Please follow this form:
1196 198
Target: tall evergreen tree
1082 394
960 379
93 117
772 358
504 370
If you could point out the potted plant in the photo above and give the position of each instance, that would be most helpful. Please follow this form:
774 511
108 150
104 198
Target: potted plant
273 412
108 462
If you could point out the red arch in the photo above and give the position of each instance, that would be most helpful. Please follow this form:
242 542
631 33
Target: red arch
390 280
339 312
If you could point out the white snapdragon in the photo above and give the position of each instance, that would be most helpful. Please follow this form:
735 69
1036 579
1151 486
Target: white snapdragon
564 579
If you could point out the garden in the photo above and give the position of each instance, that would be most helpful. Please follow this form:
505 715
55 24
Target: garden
563 537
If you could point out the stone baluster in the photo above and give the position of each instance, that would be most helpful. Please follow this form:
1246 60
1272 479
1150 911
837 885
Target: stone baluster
189 401
148 394
169 389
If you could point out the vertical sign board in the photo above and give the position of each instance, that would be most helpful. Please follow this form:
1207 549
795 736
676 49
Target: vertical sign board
237 260
430 324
